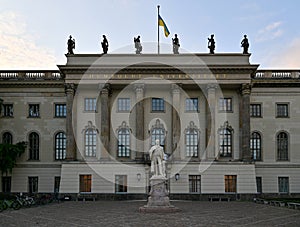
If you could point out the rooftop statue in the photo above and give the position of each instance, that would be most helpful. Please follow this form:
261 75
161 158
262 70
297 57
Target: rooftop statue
104 44
245 45
71 45
211 44
176 44
138 45
157 154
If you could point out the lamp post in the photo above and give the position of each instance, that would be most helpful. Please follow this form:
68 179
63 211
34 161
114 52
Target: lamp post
138 176
1 102
177 176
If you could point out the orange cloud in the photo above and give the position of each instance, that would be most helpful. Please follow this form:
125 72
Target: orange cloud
289 58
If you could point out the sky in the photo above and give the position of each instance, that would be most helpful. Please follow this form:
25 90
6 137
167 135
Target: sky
34 33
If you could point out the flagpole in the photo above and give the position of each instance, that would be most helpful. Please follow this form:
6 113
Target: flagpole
158 29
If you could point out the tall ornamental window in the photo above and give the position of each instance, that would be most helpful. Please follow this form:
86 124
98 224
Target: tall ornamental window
34 146
158 132
123 140
7 138
60 146
225 140
191 140
282 147
255 146
90 142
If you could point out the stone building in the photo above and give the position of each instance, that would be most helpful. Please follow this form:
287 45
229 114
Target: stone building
227 128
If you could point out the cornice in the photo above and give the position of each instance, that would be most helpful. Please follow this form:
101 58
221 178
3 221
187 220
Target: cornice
159 69
275 82
46 84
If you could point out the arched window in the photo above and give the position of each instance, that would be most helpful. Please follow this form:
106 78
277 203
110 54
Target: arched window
255 146
60 146
34 146
90 142
225 140
191 140
7 138
123 140
282 146
158 132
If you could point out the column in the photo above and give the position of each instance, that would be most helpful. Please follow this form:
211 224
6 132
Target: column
139 126
70 143
175 121
245 118
211 121
105 91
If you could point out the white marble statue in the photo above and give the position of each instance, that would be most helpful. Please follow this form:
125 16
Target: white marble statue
157 154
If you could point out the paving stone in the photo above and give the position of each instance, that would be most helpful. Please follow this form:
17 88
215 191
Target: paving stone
126 213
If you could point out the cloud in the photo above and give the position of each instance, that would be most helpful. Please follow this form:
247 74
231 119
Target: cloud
269 32
289 57
18 49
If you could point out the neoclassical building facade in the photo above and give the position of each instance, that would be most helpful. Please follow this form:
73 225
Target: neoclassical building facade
227 128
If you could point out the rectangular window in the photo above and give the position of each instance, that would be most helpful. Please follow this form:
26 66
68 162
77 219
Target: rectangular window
33 184
158 105
282 110
121 183
85 183
6 184
8 110
90 104
259 184
225 104
191 143
60 110
56 184
195 183
230 183
283 184
123 104
191 105
255 110
34 110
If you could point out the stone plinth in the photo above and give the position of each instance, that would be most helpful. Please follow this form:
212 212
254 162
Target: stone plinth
158 201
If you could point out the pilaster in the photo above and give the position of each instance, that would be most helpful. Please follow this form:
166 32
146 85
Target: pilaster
105 91
139 95
175 120
211 121
70 139
245 122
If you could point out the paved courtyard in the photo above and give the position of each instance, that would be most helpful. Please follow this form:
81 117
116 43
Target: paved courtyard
125 213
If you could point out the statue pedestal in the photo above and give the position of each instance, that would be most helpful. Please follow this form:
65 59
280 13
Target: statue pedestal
158 201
